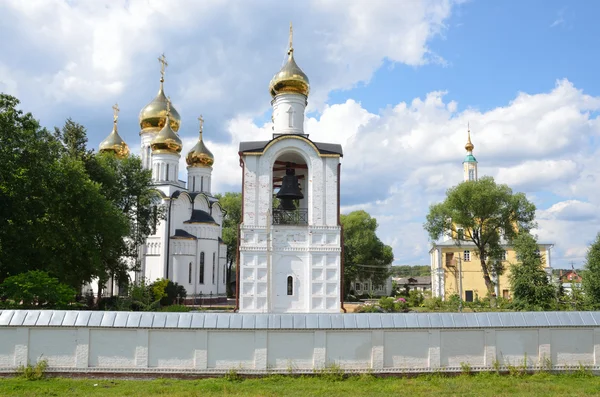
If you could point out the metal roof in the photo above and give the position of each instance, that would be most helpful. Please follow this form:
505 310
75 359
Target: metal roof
97 319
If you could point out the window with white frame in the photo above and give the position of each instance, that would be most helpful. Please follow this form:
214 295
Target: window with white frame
467 256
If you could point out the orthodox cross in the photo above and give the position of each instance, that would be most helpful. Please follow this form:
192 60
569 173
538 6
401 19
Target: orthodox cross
201 120
291 37
163 65
115 112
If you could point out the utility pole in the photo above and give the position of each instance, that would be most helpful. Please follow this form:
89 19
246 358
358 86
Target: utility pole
460 292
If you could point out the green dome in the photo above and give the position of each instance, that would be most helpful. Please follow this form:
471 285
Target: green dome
470 159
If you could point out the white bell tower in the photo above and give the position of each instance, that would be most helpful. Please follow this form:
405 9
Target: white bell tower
290 249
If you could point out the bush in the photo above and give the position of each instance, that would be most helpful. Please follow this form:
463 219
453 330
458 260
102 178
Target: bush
175 308
36 289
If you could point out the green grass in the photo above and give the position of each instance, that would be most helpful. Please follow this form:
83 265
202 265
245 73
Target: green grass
364 385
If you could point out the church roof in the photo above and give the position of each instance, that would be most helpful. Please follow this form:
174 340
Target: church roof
259 146
200 216
182 234
470 159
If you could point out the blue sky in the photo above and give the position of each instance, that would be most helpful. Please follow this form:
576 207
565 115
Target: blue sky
395 85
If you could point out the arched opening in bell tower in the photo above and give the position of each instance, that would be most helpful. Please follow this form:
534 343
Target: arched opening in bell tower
289 190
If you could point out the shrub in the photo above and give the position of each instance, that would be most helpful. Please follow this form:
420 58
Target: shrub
36 289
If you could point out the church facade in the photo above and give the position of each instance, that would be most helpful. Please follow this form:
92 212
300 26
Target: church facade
290 245
186 246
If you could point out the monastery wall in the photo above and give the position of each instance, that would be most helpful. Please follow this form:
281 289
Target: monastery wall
134 342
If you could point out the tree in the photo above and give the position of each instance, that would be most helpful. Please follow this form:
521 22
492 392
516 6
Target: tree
591 274
232 204
487 213
36 289
529 282
365 256
74 139
52 216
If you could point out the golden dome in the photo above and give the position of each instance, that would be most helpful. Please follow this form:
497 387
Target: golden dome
153 115
166 141
113 142
469 146
290 79
200 156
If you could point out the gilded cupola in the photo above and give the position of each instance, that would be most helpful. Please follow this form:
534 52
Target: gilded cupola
200 156
290 79
154 114
166 141
113 142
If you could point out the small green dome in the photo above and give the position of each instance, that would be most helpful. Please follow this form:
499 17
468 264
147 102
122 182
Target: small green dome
470 159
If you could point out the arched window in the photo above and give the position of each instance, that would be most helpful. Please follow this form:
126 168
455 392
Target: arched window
214 270
167 173
290 285
190 274
201 280
201 184
148 157
193 184
224 274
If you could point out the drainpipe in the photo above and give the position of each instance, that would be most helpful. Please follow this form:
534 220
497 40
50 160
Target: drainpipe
237 254
341 240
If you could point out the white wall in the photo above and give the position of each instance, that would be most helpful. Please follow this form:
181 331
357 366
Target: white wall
154 342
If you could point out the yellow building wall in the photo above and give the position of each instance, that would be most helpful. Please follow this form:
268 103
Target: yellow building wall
472 276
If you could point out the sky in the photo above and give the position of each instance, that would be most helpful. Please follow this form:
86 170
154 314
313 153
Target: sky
394 82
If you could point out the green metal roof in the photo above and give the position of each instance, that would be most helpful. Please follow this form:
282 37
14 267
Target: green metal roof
470 159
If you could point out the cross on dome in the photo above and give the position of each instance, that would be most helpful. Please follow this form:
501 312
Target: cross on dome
163 66
115 112
201 120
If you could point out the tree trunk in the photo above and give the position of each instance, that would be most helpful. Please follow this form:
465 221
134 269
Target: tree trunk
489 284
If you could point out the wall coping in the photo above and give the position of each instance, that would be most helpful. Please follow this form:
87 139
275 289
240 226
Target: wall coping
313 321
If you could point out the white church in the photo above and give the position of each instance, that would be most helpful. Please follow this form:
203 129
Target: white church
186 246
290 256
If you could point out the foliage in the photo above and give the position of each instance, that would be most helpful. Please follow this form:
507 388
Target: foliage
159 288
531 287
33 372
36 289
232 204
387 304
410 271
487 212
175 309
64 210
365 256
591 274
173 293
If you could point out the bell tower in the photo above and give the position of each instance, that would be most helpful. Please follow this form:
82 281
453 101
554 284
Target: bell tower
290 237
470 163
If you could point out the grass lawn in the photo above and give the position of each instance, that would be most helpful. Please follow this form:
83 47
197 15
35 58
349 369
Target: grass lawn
477 385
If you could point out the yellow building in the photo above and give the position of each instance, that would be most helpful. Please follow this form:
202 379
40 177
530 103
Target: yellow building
452 264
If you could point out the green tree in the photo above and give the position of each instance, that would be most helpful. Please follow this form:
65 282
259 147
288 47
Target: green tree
74 139
486 212
591 274
531 288
232 204
52 216
36 289
365 256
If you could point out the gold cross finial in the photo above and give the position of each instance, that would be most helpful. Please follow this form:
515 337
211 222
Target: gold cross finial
168 106
201 120
163 65
115 112
291 39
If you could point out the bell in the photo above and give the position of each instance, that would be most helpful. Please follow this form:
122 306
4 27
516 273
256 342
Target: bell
289 190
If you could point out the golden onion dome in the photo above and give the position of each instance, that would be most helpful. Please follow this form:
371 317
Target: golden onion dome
290 79
166 141
469 146
153 115
113 142
200 156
